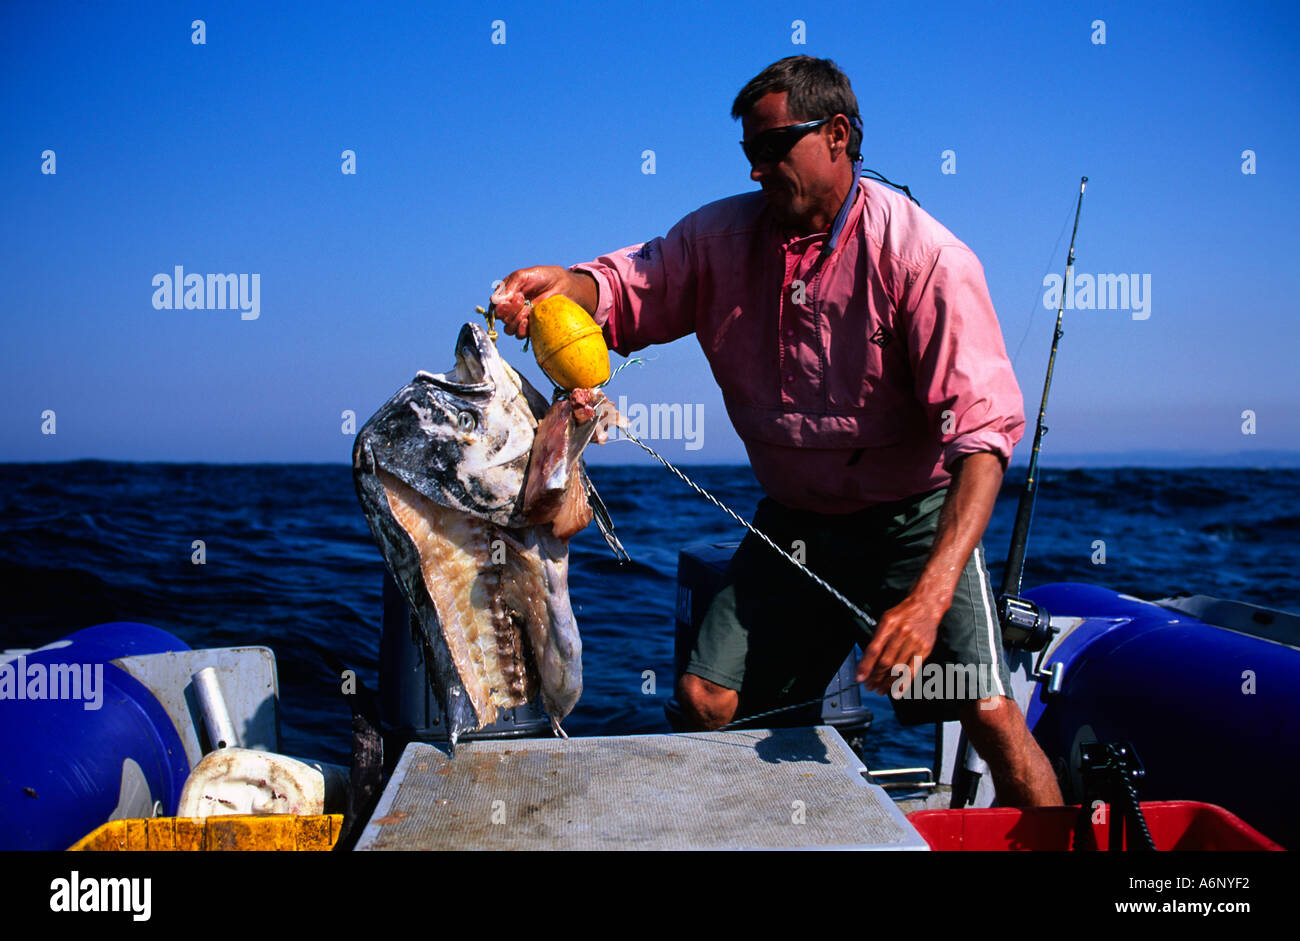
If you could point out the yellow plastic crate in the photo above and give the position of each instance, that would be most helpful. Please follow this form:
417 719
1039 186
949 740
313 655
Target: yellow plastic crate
278 832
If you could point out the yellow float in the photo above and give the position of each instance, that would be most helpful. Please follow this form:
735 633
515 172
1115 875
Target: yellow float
568 344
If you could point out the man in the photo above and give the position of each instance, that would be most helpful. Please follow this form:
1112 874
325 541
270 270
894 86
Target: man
862 365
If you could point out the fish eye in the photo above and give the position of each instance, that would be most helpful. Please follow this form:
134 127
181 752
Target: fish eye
467 421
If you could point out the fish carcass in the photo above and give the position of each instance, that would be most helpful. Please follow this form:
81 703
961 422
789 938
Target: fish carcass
472 486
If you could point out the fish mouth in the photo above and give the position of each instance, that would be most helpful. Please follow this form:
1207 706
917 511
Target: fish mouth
472 375
461 438
467 389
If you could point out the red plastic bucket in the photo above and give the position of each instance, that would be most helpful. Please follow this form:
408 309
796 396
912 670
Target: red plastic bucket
1174 825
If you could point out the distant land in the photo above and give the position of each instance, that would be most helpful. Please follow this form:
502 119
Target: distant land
1095 459
1170 459
1166 459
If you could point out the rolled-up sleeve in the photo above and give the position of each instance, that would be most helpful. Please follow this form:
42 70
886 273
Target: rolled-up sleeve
646 293
962 374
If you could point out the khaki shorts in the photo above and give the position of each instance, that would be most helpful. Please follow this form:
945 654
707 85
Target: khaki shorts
778 637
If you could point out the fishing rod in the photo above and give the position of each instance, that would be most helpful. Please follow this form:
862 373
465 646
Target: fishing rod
1025 624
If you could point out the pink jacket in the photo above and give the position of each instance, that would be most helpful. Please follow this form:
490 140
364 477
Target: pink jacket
891 367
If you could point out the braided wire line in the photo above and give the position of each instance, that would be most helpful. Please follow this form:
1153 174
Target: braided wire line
858 612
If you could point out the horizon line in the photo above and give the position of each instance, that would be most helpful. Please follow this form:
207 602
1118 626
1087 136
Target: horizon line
1186 460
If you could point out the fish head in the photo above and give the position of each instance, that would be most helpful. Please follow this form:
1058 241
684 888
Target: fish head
462 438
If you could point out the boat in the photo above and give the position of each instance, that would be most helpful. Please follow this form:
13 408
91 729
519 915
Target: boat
1179 682
1100 643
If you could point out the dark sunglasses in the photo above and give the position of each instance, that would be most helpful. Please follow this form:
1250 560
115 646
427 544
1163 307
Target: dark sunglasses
774 143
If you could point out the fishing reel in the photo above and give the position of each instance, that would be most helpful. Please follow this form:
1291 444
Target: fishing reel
1027 626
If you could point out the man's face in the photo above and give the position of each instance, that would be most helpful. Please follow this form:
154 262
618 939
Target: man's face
799 186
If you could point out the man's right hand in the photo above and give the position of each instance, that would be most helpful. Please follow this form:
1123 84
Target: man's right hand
536 284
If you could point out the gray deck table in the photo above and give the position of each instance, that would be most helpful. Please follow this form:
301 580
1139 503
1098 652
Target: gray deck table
739 790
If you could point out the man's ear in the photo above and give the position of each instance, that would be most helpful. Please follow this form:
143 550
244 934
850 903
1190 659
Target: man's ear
841 133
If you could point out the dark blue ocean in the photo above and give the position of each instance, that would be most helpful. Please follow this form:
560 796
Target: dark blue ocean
290 564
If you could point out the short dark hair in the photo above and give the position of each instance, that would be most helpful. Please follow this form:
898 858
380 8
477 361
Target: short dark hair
816 88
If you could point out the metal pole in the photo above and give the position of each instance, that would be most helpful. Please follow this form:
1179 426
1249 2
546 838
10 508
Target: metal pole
212 707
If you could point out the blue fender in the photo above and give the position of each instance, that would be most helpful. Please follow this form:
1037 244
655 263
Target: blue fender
1214 714
66 762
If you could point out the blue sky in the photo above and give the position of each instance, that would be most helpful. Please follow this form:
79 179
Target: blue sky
474 158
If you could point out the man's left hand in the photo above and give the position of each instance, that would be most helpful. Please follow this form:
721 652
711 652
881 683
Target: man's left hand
906 631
